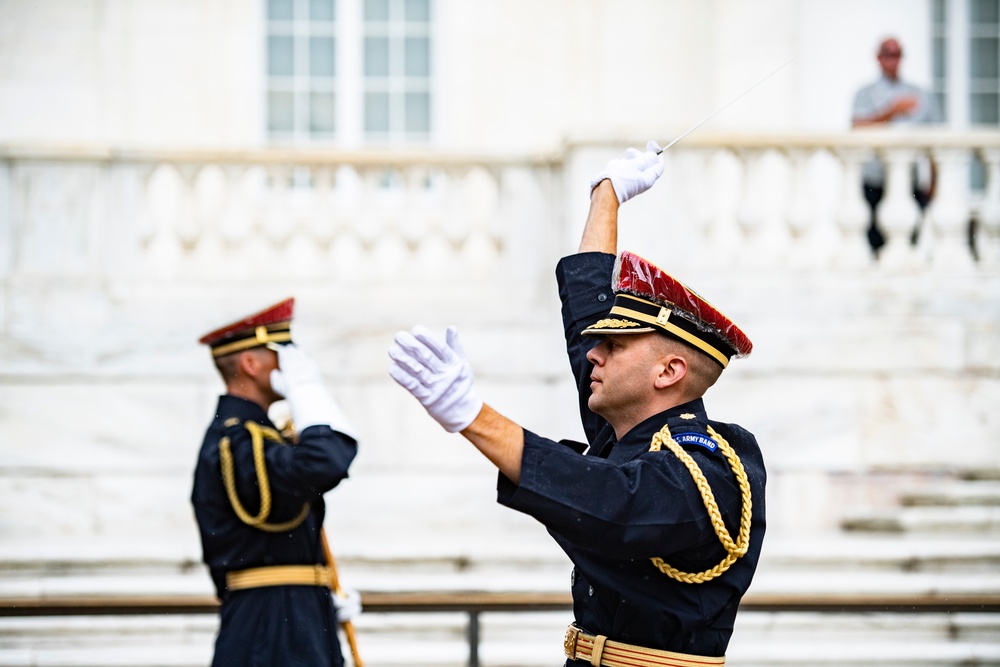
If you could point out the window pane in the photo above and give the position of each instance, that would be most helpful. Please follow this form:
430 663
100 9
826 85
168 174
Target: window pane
418 112
942 104
418 11
280 10
938 12
376 10
320 10
984 11
984 108
280 56
939 58
321 112
321 56
376 56
280 111
984 58
376 112
417 50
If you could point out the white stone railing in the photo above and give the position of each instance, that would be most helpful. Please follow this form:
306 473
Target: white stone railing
197 216
795 201
766 201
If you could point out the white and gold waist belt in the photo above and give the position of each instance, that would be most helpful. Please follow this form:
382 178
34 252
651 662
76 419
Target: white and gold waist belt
279 575
601 651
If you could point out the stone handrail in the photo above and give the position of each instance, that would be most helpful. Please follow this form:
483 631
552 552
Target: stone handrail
791 202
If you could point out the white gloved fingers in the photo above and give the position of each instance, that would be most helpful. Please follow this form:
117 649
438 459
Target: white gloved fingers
405 378
348 605
278 384
440 348
418 351
633 174
412 364
413 383
297 366
452 340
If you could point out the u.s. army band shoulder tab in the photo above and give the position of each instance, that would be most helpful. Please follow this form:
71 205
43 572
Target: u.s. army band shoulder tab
696 439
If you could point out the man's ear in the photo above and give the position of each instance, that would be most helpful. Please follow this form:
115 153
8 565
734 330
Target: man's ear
672 369
249 363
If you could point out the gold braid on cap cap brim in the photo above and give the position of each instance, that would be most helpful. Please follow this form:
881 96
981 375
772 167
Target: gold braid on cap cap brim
734 550
634 307
613 323
262 335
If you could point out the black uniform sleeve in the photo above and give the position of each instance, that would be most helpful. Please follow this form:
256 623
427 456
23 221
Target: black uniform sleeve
646 507
585 291
313 466
295 474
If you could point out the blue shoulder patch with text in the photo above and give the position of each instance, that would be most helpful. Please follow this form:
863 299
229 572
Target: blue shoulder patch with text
696 439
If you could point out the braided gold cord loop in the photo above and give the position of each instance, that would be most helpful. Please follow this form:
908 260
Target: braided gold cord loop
258 434
734 550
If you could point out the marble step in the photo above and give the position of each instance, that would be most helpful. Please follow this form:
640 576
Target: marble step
985 492
918 518
893 564
525 640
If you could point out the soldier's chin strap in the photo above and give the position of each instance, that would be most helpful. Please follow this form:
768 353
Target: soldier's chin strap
734 550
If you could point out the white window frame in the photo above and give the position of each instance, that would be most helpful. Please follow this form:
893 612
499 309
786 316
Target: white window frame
349 83
301 83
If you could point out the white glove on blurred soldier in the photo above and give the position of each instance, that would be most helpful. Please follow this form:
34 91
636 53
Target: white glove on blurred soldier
437 373
347 604
298 379
633 174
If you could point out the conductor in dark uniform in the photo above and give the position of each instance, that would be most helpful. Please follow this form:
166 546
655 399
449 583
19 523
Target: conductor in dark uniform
258 499
662 510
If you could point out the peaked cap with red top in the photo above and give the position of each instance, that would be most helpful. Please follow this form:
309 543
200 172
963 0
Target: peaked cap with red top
648 299
270 326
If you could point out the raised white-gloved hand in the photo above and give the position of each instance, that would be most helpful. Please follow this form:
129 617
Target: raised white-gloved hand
298 379
437 373
347 604
633 174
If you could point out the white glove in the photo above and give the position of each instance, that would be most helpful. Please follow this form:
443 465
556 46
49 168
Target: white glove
633 174
438 374
298 379
347 604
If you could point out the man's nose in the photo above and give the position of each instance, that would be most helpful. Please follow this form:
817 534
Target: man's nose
596 354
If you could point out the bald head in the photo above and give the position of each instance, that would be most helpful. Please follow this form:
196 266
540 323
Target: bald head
889 54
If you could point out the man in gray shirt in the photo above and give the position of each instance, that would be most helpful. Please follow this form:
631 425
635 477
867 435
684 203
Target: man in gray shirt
892 100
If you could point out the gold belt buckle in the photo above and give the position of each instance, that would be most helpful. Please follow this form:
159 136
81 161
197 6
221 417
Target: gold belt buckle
569 641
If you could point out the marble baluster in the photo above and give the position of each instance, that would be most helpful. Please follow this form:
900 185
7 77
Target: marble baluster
853 213
948 214
988 233
898 212
808 249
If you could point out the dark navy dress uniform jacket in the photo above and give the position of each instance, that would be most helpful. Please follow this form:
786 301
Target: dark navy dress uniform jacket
618 505
276 625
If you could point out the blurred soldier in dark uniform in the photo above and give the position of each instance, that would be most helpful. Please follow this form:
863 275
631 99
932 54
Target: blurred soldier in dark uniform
258 498
663 514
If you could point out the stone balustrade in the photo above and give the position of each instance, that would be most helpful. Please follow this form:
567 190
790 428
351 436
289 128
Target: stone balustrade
761 201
